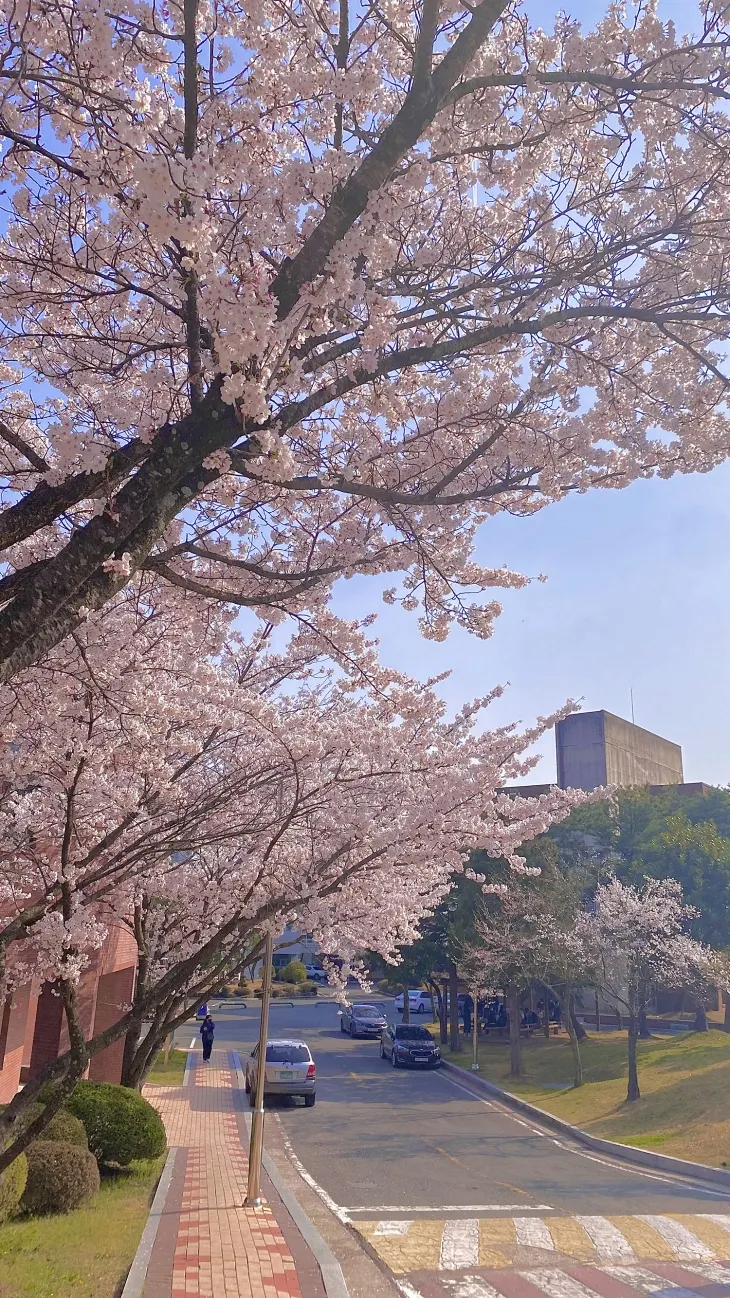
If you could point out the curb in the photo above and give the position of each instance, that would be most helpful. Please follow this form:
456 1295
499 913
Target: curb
623 1153
137 1274
332 1277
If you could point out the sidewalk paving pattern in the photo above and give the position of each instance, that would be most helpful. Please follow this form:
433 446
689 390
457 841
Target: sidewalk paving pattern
557 1256
215 1248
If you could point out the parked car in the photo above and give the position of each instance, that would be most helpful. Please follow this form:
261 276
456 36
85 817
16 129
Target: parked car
288 1070
362 1020
315 974
408 1044
419 1002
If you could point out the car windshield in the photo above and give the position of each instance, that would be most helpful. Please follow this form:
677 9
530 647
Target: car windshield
366 1012
409 1032
285 1054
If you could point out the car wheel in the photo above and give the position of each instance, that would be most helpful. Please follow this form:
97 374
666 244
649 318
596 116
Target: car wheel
309 1101
353 1033
393 1060
382 1052
422 1008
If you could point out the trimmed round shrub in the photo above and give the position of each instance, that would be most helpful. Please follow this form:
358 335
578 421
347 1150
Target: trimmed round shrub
62 1126
60 1177
294 972
12 1185
119 1123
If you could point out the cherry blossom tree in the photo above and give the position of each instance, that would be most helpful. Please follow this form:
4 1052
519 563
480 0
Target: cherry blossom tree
297 291
636 939
164 773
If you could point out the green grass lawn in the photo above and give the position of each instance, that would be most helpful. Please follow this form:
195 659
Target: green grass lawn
82 1254
166 1074
684 1080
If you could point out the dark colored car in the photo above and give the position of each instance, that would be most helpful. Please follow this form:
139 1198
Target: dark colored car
407 1044
362 1020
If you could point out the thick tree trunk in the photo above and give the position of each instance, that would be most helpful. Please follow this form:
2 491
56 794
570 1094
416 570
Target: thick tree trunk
633 1092
546 1011
644 1032
572 1022
575 1039
443 1023
454 1041
516 1066
701 1024
726 1003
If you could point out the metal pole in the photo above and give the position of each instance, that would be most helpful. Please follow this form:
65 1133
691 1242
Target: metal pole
475 1033
256 1145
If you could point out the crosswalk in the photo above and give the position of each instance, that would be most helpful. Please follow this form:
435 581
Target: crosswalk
704 1280
457 1244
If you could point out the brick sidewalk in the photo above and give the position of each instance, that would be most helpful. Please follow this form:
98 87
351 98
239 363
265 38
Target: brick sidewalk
208 1244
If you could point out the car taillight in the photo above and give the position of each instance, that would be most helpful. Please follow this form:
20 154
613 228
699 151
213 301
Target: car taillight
311 1073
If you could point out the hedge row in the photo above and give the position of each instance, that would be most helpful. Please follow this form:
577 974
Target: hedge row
102 1123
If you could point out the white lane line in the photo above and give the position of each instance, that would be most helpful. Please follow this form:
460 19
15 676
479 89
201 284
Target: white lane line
192 1044
532 1232
686 1245
557 1284
720 1219
459 1245
470 1287
580 1153
454 1207
341 1213
609 1243
392 1228
639 1278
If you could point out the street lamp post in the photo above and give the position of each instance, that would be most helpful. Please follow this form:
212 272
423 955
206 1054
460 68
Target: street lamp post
475 1033
254 1198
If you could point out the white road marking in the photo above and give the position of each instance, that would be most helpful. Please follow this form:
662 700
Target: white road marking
454 1207
639 1278
557 1284
532 1232
686 1245
407 1290
340 1213
192 1044
720 1219
459 1245
610 1244
471 1287
392 1228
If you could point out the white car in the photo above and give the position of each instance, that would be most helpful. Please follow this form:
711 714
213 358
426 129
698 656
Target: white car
289 1070
315 973
419 1002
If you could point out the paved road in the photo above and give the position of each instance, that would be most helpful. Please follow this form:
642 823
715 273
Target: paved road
437 1179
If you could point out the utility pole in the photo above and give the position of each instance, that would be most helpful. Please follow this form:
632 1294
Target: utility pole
256 1144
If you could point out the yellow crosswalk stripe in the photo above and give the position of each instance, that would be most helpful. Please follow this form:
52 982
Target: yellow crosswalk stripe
708 1231
569 1237
418 1250
644 1239
494 1237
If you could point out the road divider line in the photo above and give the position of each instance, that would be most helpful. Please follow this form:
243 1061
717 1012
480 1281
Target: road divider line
379 1208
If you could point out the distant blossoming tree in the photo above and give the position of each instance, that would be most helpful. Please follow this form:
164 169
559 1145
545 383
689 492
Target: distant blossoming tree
635 938
293 292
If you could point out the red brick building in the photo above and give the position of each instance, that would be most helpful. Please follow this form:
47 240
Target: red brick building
32 1028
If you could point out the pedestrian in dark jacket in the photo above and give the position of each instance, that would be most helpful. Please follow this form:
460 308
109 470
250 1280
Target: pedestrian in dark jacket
207 1032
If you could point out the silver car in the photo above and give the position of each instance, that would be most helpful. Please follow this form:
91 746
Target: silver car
362 1020
289 1070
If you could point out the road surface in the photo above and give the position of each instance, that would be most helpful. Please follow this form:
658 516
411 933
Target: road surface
458 1195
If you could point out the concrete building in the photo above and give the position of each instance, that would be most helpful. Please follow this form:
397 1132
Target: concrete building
597 748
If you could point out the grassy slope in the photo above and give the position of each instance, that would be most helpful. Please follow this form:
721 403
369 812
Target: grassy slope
167 1074
684 1079
83 1254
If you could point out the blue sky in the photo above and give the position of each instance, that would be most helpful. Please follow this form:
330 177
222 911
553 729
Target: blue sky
637 597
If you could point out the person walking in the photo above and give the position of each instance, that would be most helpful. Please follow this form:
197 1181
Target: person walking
207 1032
